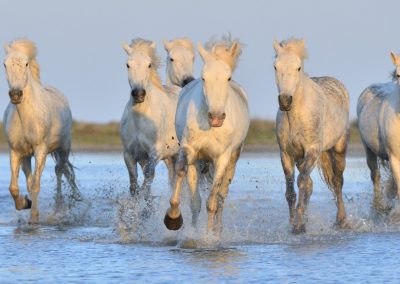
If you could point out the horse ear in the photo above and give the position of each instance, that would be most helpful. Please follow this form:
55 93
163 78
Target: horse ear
127 48
167 45
153 45
277 46
395 58
7 48
234 49
203 53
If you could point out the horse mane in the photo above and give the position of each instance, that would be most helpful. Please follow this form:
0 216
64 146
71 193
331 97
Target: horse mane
219 48
295 45
144 45
185 42
28 48
393 75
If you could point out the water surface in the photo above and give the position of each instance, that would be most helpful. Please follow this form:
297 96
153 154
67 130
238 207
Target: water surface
110 237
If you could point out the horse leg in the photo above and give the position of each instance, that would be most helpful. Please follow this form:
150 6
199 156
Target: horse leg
223 193
195 200
173 217
288 169
131 165
148 168
219 172
20 201
40 161
338 158
304 184
395 167
372 162
170 164
27 169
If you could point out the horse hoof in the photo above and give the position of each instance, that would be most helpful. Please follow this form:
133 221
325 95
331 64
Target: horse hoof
299 229
343 225
28 203
173 224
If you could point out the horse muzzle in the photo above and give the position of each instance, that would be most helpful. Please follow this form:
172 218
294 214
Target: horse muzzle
187 80
15 96
138 95
285 102
216 120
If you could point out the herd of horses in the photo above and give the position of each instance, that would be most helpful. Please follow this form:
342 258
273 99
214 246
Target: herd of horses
198 126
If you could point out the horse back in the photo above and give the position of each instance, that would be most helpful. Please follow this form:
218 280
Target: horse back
334 90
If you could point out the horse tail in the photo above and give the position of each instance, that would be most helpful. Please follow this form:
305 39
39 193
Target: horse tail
325 168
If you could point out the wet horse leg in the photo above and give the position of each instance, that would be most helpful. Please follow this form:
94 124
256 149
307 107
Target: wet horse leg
148 168
339 163
288 169
40 161
395 167
219 173
20 201
170 164
173 217
304 184
223 193
27 169
195 200
131 165
372 162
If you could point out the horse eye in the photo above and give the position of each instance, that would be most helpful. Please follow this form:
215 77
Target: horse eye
229 78
171 59
127 65
398 75
150 65
202 79
298 69
275 67
26 65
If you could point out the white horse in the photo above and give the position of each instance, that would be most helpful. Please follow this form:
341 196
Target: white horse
212 120
37 122
147 125
378 111
312 126
180 60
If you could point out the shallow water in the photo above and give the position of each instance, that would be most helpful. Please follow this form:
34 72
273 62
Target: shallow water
108 237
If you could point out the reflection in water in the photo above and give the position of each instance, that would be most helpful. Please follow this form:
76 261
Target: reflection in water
219 261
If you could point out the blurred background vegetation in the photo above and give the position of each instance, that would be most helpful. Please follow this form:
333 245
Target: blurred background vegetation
105 137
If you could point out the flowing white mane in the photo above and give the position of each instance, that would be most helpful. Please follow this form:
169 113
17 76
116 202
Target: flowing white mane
28 48
220 48
296 46
185 42
143 45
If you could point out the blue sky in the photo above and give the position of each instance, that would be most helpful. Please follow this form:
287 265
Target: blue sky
80 50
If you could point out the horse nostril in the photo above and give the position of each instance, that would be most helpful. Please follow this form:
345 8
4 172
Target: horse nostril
223 115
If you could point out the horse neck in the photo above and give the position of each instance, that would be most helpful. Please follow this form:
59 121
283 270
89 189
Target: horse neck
169 82
32 104
397 97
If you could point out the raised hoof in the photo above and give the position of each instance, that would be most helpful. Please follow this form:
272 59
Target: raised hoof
299 229
173 224
28 203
